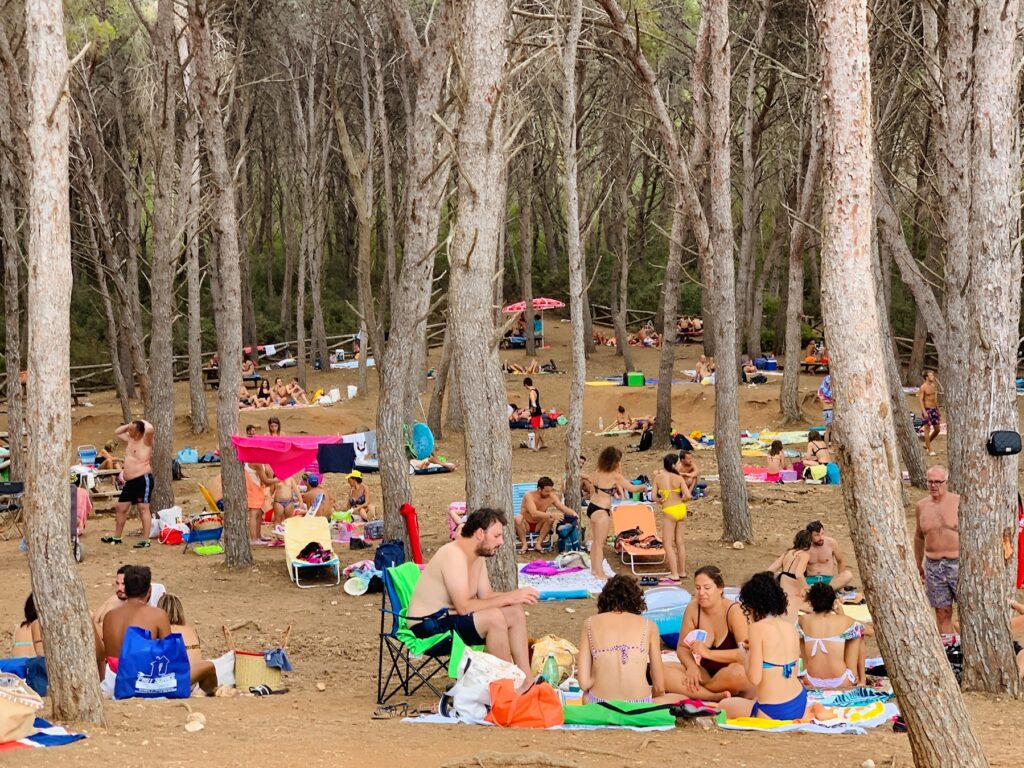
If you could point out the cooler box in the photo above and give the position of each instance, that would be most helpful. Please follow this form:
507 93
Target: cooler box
759 363
635 379
832 474
788 476
771 365
665 606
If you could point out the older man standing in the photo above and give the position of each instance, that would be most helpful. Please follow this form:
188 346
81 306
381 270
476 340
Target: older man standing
937 547
138 479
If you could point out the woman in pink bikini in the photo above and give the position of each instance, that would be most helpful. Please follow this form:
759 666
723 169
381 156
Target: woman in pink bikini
833 645
616 647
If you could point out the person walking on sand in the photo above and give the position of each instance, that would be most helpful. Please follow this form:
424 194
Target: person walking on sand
138 479
928 396
937 547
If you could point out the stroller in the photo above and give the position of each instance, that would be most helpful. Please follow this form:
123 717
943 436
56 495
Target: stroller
11 516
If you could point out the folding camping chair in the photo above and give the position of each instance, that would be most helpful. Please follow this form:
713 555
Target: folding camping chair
519 490
638 517
412 662
300 531
210 535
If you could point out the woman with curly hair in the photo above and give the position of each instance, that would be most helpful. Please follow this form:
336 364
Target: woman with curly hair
833 644
608 482
771 657
713 629
617 645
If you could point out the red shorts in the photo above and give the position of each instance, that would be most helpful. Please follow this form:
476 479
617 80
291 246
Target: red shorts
535 422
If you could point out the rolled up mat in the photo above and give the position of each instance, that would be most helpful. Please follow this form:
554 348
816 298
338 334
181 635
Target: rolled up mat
572 594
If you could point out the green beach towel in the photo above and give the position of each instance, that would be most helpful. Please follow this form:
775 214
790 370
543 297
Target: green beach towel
632 714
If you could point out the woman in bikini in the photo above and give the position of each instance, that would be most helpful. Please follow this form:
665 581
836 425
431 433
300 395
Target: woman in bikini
817 450
359 497
608 481
264 397
833 645
771 657
709 668
171 605
671 490
616 647
790 569
28 635
287 501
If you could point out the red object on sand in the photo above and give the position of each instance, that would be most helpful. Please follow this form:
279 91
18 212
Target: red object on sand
1020 542
412 527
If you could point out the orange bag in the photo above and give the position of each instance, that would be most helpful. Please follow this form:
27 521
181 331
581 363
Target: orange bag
539 707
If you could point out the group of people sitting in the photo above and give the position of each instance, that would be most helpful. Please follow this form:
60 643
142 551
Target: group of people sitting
816 353
137 602
687 327
705 369
645 337
279 395
744 653
634 424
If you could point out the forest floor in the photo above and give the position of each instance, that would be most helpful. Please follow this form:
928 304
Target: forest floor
334 636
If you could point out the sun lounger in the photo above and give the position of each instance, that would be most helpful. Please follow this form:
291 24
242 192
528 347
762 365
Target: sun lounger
627 517
300 531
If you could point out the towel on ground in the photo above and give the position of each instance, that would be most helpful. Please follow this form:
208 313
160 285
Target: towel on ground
46 735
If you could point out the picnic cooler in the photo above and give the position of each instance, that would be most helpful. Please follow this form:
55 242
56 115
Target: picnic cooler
251 668
633 379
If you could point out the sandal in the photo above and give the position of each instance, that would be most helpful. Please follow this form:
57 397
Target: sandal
111 540
390 711
668 581
648 581
144 544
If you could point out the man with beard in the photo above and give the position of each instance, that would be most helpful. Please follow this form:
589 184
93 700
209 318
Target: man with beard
454 593
826 565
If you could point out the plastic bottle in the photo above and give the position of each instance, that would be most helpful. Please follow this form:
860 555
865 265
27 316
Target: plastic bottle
550 670
600 423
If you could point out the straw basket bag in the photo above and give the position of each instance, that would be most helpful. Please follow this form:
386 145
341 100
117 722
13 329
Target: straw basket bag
18 707
251 668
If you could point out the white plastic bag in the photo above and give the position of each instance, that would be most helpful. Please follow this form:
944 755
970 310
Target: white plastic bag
166 517
471 694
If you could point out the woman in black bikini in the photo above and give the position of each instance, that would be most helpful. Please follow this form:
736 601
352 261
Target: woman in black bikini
789 570
711 668
817 450
607 482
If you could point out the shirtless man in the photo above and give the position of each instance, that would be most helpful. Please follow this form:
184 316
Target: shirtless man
116 599
825 564
454 594
928 396
537 510
136 611
937 547
138 479
314 489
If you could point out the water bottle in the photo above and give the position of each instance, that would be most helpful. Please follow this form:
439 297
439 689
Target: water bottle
600 423
550 670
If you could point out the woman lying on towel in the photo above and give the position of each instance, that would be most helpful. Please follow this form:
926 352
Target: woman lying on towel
616 647
771 657
709 641
431 464
833 645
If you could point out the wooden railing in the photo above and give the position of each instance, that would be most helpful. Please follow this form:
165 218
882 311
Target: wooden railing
602 315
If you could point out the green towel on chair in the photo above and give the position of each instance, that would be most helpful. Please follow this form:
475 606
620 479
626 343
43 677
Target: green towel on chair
405 577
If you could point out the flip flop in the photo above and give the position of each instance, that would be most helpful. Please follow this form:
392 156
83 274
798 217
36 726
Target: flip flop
669 582
648 581
265 690
111 540
144 544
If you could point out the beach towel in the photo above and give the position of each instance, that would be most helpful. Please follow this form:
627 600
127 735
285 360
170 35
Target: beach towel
285 455
850 720
46 735
856 697
442 720
576 583
351 364
339 458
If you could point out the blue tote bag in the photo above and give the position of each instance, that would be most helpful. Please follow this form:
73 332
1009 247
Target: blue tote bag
152 669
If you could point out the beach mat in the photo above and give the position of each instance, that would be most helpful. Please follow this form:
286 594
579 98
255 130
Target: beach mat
849 720
439 719
564 584
46 735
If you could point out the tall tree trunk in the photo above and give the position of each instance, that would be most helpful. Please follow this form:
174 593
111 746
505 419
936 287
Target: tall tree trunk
228 314
915 366
12 253
287 250
570 159
618 138
166 246
113 347
482 55
399 364
988 510
56 584
735 512
669 307
300 292
751 171
440 384
789 398
939 725
756 321
526 244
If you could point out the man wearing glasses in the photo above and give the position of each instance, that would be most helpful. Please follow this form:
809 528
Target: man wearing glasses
937 547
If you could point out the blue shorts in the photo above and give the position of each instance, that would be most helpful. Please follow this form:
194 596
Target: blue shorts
827 414
793 709
443 621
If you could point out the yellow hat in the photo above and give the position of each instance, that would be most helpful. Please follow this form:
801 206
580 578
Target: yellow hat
355 474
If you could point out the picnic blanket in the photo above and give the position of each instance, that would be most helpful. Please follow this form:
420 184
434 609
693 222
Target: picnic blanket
563 583
849 720
616 432
351 364
46 735
285 455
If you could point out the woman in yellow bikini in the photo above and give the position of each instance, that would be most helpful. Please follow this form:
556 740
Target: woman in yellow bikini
670 489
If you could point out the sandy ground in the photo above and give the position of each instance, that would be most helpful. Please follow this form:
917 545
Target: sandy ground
334 636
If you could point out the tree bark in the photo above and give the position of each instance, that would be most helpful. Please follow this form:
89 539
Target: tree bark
287 250
10 182
669 307
526 244
756 321
939 725
166 248
915 366
482 54
440 384
570 159
56 584
988 510
789 397
735 512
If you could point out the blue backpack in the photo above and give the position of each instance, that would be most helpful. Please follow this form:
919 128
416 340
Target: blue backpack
389 554
569 539
152 669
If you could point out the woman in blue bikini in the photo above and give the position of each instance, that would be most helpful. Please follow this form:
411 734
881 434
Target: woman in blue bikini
772 655
28 636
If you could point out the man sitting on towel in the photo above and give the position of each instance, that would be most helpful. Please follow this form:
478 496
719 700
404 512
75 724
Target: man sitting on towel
136 611
455 594
826 564
537 510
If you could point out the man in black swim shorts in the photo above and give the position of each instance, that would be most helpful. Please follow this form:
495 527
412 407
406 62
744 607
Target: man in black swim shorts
138 479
